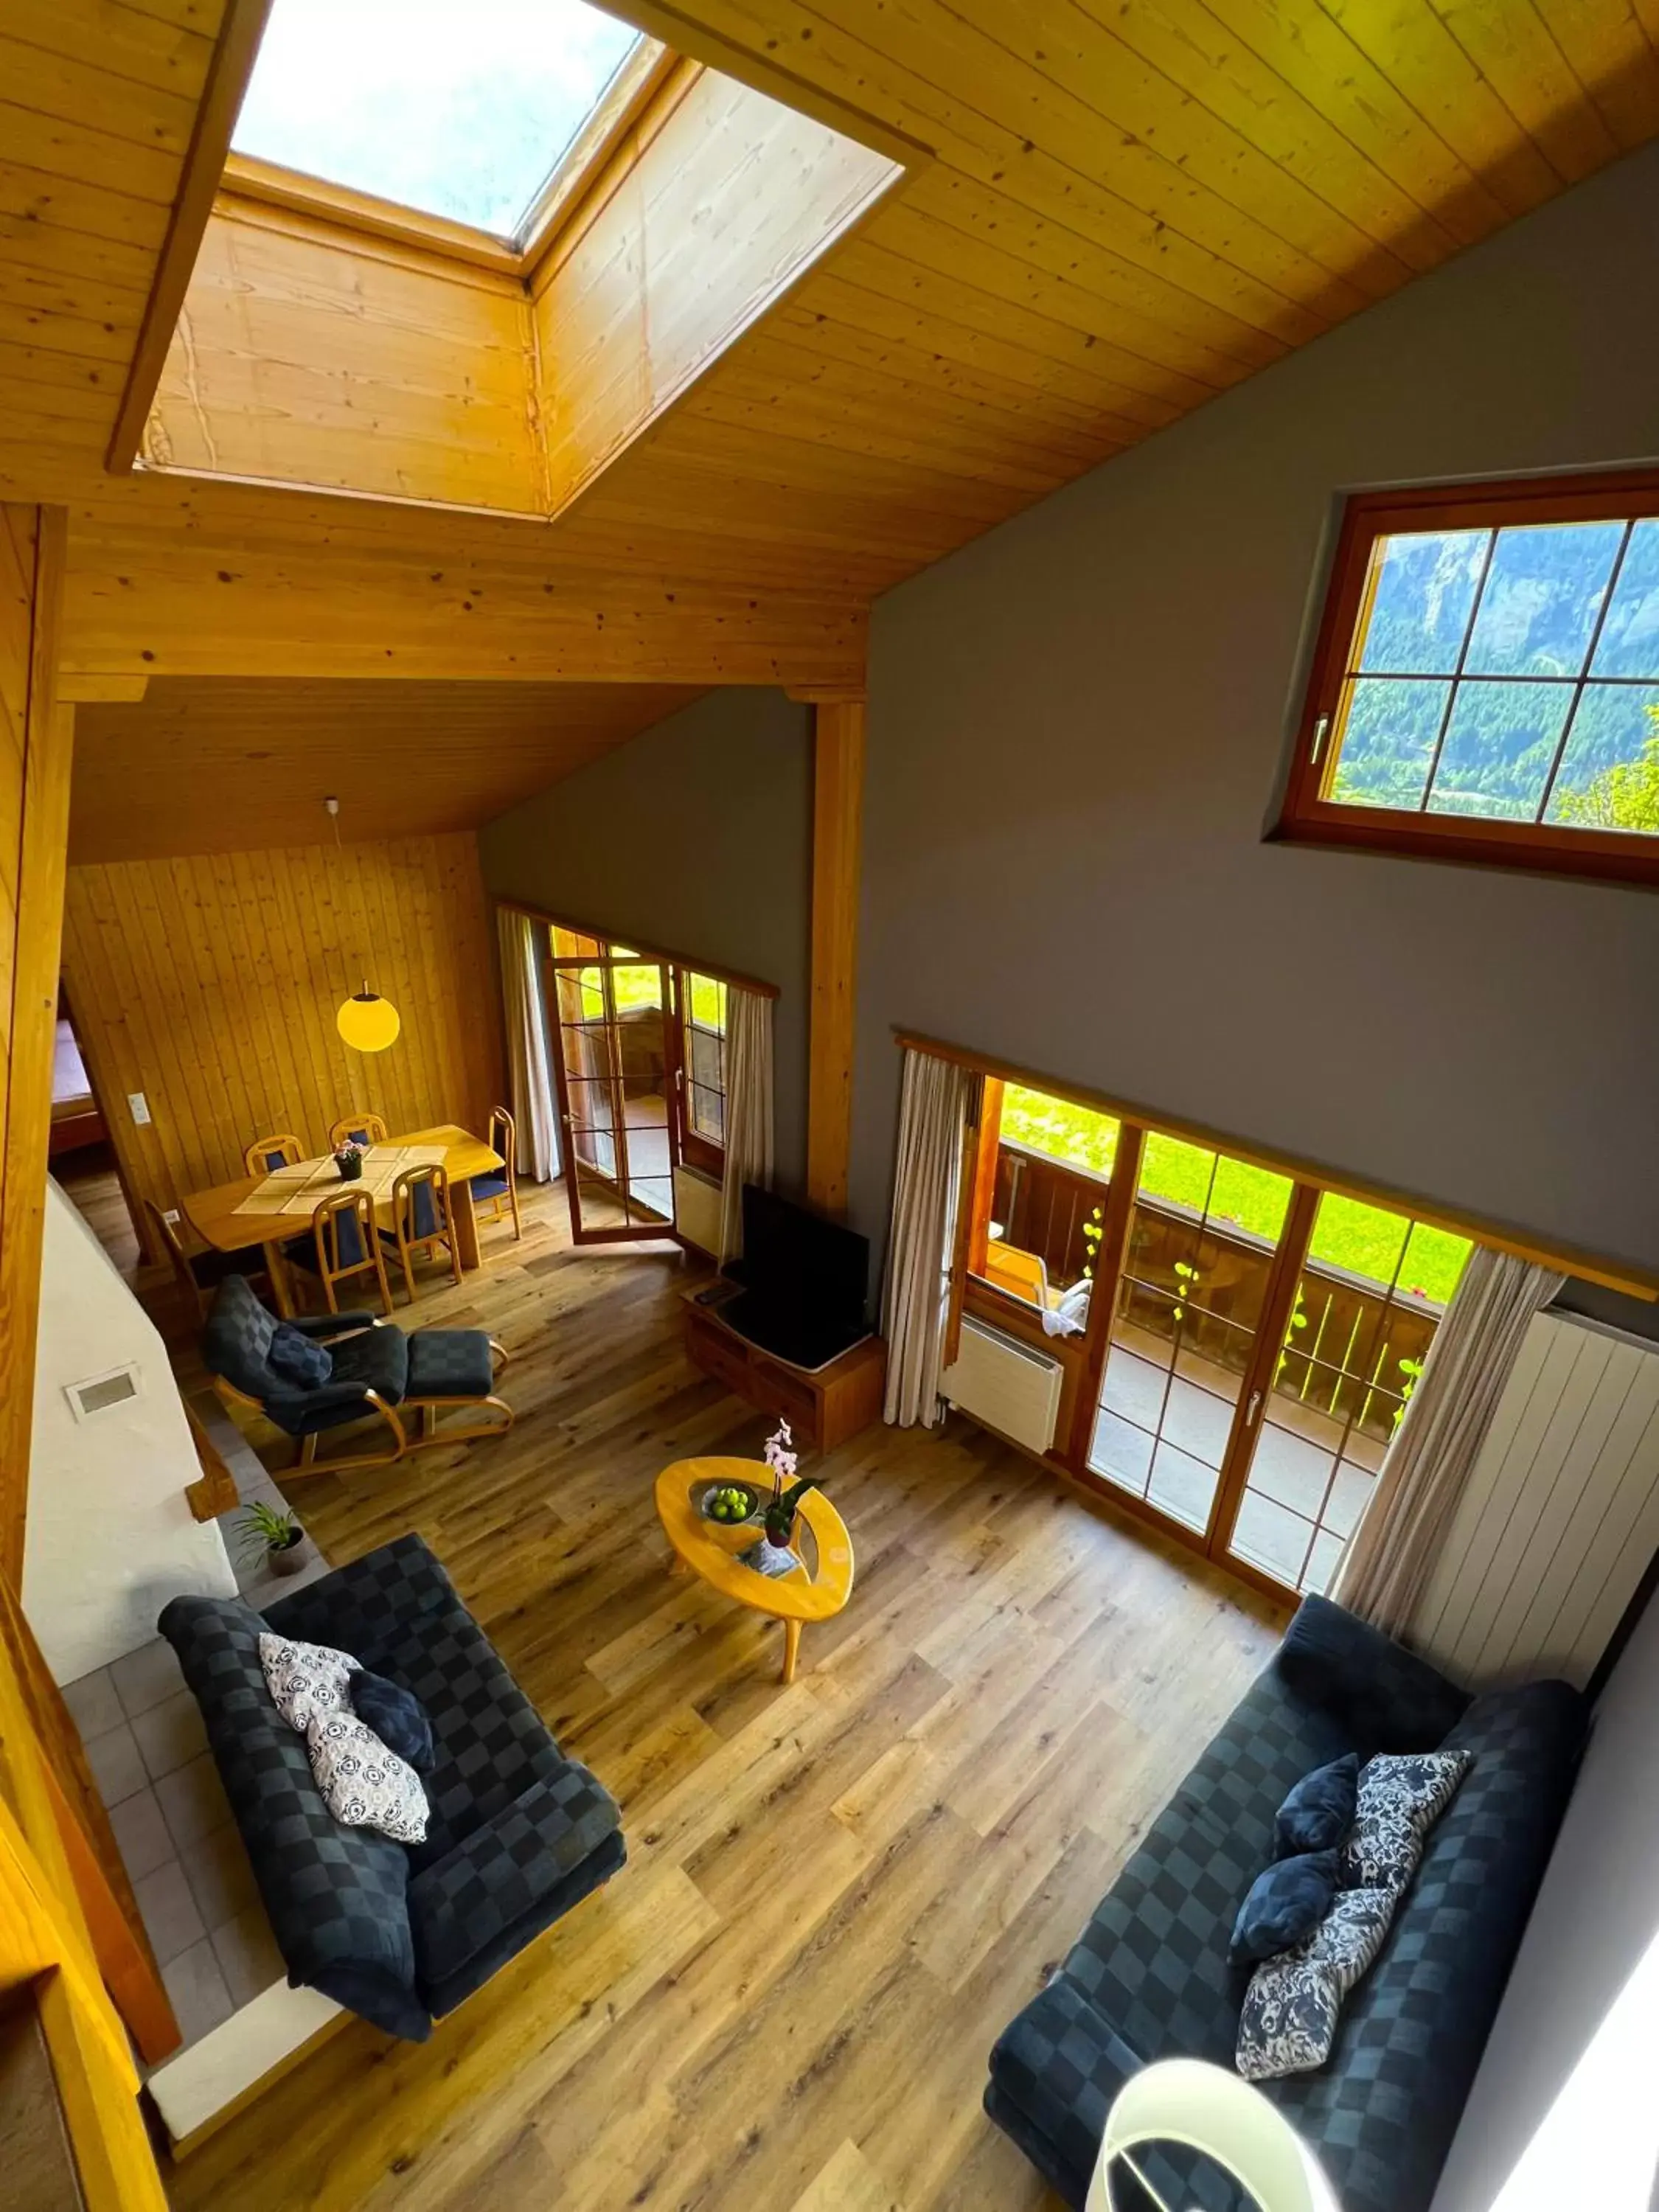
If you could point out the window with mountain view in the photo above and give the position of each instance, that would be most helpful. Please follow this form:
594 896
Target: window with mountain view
1486 685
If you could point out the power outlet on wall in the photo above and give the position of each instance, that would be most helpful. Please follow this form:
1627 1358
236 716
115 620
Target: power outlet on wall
139 1106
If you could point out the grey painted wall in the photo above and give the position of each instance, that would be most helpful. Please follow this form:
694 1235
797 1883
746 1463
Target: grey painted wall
1592 1944
694 837
1080 723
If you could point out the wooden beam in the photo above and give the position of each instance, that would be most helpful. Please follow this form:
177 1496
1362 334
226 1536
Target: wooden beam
837 827
240 30
79 690
215 1492
34 811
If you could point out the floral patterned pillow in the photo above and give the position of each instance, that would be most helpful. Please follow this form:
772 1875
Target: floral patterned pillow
1399 1801
1294 2003
306 1680
362 1784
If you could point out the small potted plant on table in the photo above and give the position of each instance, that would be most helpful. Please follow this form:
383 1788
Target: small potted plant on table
275 1532
348 1160
775 1555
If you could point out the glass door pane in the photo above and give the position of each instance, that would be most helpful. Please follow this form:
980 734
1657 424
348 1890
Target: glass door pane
1371 1295
612 1039
1203 1234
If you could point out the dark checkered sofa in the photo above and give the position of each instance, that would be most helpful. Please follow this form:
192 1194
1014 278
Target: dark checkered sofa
518 1833
1149 1980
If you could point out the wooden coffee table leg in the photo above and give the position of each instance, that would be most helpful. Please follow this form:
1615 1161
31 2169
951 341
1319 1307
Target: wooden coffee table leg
790 1649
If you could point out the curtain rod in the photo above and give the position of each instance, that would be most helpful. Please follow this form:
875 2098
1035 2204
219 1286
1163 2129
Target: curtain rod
1588 1266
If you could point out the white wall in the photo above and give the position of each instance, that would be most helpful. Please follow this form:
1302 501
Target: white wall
110 1538
1562 2111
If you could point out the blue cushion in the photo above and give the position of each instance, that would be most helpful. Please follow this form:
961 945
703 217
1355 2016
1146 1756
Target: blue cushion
1285 1904
1319 1812
295 1359
489 1186
397 1717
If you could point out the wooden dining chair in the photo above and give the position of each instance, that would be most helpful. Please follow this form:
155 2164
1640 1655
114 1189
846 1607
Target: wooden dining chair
422 1220
364 1129
266 1154
499 1188
348 1244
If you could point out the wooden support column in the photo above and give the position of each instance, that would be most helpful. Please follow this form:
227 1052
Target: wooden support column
36 735
837 824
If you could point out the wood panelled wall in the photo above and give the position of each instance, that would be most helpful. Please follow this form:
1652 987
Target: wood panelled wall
210 984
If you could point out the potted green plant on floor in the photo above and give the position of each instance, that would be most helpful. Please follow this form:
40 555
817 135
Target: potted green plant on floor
273 1531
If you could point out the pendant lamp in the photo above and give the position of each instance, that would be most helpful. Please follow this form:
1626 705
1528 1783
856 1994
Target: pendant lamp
367 1021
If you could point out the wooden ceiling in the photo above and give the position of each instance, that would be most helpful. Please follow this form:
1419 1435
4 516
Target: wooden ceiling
1134 205
224 764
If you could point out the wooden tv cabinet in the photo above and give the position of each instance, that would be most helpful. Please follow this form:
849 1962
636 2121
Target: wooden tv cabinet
823 1408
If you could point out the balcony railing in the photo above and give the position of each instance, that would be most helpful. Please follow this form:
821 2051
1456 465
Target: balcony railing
1353 1351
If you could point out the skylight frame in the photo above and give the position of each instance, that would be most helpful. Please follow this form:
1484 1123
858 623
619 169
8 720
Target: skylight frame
630 92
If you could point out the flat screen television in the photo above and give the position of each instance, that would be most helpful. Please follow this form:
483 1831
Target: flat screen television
804 1281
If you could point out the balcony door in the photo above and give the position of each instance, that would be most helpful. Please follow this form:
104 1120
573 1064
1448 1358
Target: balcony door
1182 1389
613 1033
1237 1347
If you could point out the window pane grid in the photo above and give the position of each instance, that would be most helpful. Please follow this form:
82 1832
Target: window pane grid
1383 770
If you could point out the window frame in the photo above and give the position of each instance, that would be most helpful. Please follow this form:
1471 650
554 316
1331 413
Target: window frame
696 1151
1307 817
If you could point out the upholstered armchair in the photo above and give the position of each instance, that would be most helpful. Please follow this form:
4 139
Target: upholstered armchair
375 1372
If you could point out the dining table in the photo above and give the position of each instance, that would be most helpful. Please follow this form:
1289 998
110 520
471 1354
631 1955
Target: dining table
223 1218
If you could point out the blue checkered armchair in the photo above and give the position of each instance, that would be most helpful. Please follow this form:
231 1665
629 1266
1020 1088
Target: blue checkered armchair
518 1833
1148 1978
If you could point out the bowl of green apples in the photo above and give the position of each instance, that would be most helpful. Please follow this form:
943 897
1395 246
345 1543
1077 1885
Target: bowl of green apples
729 1504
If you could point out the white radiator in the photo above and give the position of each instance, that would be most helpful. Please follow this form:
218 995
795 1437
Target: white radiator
1561 1516
697 1210
1005 1384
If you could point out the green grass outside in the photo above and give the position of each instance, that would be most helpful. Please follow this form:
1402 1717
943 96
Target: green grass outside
1366 1239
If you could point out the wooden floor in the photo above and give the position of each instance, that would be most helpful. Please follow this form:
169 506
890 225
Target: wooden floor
837 1893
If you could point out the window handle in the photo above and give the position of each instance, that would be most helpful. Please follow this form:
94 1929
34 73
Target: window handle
1320 728
1253 1409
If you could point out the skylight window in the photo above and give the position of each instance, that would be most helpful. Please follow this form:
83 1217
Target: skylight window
461 108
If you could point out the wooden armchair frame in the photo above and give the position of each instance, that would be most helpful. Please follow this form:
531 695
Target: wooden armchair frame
503 1138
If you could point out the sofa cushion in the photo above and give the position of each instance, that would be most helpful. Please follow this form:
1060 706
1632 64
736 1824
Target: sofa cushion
377 1359
459 1905
1319 1811
1402 1796
363 1783
305 1679
1289 2022
396 1715
1285 1903
298 1359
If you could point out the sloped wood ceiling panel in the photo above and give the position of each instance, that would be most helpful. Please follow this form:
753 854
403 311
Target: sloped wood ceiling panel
1134 205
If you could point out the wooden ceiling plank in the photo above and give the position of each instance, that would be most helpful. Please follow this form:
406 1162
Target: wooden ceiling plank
1512 48
73 158
895 294
76 90
1314 53
1110 77
1191 48
1411 46
1086 287
143 48
98 270
1611 55
934 388
1053 156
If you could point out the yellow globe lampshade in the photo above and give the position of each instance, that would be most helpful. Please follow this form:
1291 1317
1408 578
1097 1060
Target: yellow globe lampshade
369 1023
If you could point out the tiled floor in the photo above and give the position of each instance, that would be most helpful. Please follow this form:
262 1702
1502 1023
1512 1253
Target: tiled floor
149 1754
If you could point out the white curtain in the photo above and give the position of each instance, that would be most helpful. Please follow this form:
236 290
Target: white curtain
935 1104
530 1068
748 1109
1391 1554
